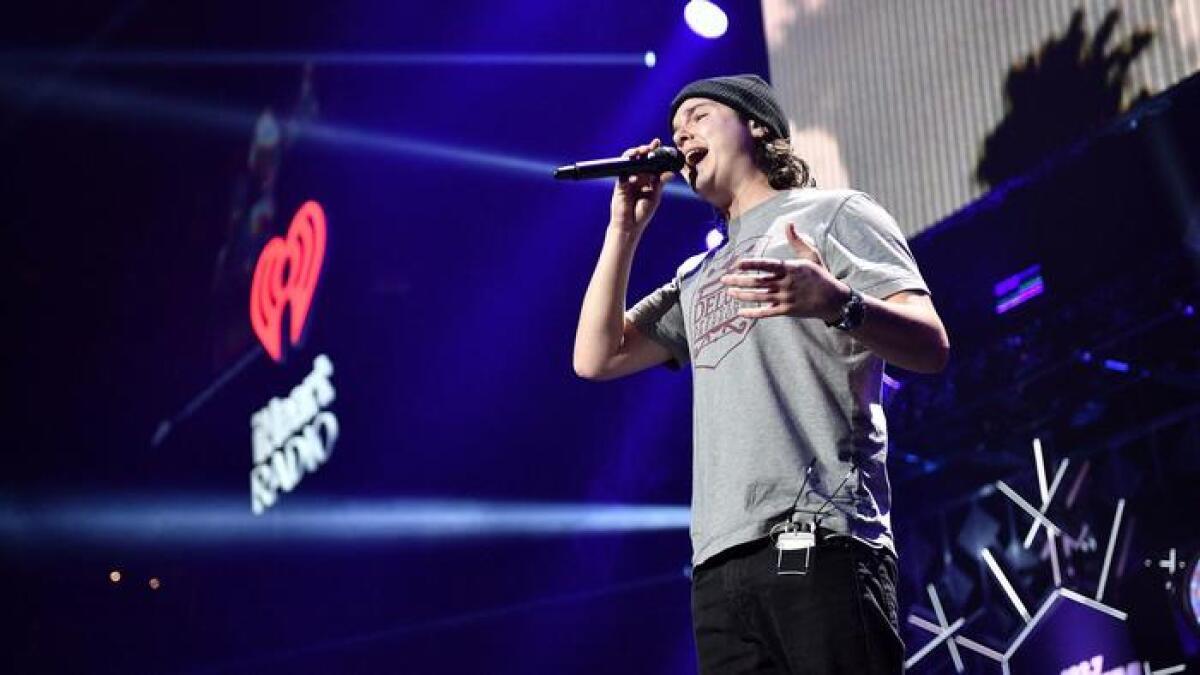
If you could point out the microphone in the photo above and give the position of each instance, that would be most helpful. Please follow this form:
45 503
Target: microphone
656 161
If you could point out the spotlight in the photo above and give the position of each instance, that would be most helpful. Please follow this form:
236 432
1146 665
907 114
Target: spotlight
114 576
651 59
714 239
155 583
706 18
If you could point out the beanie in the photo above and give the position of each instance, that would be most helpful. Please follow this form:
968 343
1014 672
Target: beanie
750 95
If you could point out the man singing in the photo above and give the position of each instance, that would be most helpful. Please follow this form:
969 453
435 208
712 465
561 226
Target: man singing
786 326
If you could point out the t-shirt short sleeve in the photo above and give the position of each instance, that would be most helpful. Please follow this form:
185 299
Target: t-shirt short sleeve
659 317
865 249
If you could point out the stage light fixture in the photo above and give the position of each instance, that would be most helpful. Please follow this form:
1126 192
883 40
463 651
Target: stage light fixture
651 59
114 576
706 19
713 239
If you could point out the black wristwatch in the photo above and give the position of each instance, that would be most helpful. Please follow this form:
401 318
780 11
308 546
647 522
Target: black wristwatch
852 313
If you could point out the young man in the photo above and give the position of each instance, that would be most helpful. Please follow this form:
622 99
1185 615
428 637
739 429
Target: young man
787 326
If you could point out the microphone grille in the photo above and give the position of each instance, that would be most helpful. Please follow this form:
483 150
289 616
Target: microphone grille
672 157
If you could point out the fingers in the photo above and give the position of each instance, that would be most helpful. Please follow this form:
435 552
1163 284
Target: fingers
641 180
641 149
763 312
756 295
773 266
771 295
767 302
804 245
751 281
651 180
774 287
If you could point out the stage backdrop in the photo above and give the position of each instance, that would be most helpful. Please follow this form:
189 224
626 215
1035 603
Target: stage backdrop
928 104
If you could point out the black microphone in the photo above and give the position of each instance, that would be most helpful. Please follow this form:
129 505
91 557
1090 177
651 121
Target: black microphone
656 161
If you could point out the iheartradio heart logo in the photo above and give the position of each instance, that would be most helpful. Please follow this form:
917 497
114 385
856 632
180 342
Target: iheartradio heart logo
286 276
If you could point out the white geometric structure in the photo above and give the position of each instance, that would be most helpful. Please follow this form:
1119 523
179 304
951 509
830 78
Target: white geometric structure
1070 634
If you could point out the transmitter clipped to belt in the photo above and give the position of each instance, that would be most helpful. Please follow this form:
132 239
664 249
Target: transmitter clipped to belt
794 537
795 542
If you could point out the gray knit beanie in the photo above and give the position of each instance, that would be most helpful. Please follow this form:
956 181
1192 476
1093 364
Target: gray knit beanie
750 95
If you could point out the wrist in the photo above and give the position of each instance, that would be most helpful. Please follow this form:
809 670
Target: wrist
626 230
837 300
850 313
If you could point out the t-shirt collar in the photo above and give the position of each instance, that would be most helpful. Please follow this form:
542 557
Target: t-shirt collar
734 226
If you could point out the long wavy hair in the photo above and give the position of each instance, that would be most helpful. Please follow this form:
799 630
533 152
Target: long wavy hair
777 159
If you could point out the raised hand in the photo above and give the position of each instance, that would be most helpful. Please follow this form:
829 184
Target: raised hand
803 287
636 197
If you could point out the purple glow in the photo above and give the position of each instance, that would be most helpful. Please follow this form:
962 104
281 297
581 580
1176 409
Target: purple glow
1006 286
1117 366
1026 294
1018 288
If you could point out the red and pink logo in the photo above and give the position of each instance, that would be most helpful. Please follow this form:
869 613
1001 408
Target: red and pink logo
286 277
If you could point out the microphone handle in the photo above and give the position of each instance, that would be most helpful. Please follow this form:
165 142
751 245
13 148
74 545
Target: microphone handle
656 161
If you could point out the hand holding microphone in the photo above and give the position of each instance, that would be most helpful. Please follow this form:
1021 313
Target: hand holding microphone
658 159
641 173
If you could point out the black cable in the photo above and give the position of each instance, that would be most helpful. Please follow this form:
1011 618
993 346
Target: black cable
803 484
829 500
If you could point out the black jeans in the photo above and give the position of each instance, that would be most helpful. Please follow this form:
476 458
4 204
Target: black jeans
838 618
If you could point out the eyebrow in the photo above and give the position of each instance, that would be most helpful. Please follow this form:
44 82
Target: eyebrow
687 114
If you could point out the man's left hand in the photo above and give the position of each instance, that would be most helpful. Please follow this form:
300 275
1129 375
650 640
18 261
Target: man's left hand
802 287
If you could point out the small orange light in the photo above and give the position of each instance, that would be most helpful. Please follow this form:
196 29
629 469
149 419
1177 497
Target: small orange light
154 583
114 576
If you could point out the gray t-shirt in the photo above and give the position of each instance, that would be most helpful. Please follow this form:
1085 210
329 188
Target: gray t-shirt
774 395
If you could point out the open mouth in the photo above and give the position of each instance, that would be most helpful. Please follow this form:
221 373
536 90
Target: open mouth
693 158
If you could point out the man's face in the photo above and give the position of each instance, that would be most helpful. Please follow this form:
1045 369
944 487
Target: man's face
717 147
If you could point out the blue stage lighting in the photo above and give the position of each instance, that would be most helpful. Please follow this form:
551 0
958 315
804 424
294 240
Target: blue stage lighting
651 59
1116 366
216 59
99 100
1018 289
203 521
706 18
